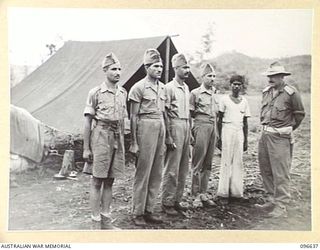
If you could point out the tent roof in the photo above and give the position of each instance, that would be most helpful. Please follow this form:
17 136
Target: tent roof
56 92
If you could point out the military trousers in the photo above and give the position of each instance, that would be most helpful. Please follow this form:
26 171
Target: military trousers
275 155
231 171
149 166
176 163
204 133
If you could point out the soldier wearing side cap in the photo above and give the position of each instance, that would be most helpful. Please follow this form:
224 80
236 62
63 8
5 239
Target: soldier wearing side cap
178 137
204 108
282 112
147 106
104 139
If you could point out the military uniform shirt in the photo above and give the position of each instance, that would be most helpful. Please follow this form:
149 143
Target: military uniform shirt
105 104
277 111
177 100
150 96
204 101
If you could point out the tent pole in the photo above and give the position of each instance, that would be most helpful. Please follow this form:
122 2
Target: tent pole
166 76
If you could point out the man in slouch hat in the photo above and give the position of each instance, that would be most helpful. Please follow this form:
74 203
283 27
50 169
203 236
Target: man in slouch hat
282 112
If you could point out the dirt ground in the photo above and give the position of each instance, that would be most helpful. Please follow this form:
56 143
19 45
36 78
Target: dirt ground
39 202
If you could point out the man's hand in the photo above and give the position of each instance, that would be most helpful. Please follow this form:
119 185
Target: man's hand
219 144
134 149
170 144
87 155
245 145
192 140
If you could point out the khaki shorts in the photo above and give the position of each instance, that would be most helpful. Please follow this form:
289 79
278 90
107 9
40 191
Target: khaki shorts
107 162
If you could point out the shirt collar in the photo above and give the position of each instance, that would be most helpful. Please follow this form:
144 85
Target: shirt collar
153 86
203 89
105 88
175 82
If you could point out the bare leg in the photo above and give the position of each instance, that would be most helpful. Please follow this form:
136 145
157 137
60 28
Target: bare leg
95 197
106 197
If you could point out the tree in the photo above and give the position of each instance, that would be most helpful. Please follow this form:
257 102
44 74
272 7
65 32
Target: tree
53 47
207 43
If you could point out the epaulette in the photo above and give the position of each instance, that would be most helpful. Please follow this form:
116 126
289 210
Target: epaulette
122 89
95 89
289 89
266 89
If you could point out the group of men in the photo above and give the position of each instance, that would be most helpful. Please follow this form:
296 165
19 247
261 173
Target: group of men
165 119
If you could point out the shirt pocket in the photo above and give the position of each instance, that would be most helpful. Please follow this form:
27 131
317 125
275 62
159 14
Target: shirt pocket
106 104
203 103
162 102
264 108
149 103
280 113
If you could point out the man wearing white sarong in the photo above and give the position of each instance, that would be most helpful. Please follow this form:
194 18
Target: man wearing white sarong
233 131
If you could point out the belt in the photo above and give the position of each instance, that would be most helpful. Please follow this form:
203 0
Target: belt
207 118
179 119
113 126
151 116
282 131
108 124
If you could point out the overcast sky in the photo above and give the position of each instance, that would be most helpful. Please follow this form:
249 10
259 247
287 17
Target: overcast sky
259 33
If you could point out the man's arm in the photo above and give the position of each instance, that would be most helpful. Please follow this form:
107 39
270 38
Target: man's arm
169 140
245 133
298 109
219 122
134 110
87 153
298 117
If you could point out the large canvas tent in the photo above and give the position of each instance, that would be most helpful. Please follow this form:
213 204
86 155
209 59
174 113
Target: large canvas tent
56 92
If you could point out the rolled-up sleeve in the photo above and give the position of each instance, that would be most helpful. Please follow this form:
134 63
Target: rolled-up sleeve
222 106
168 94
125 110
90 103
135 94
192 101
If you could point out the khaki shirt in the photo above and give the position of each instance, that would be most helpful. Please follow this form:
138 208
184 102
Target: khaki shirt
278 111
150 96
204 101
107 104
177 100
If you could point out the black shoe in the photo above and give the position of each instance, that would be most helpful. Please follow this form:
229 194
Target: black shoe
169 210
178 207
151 218
139 220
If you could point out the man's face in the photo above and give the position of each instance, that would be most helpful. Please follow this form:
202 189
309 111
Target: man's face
155 70
183 71
208 79
276 80
236 87
113 72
